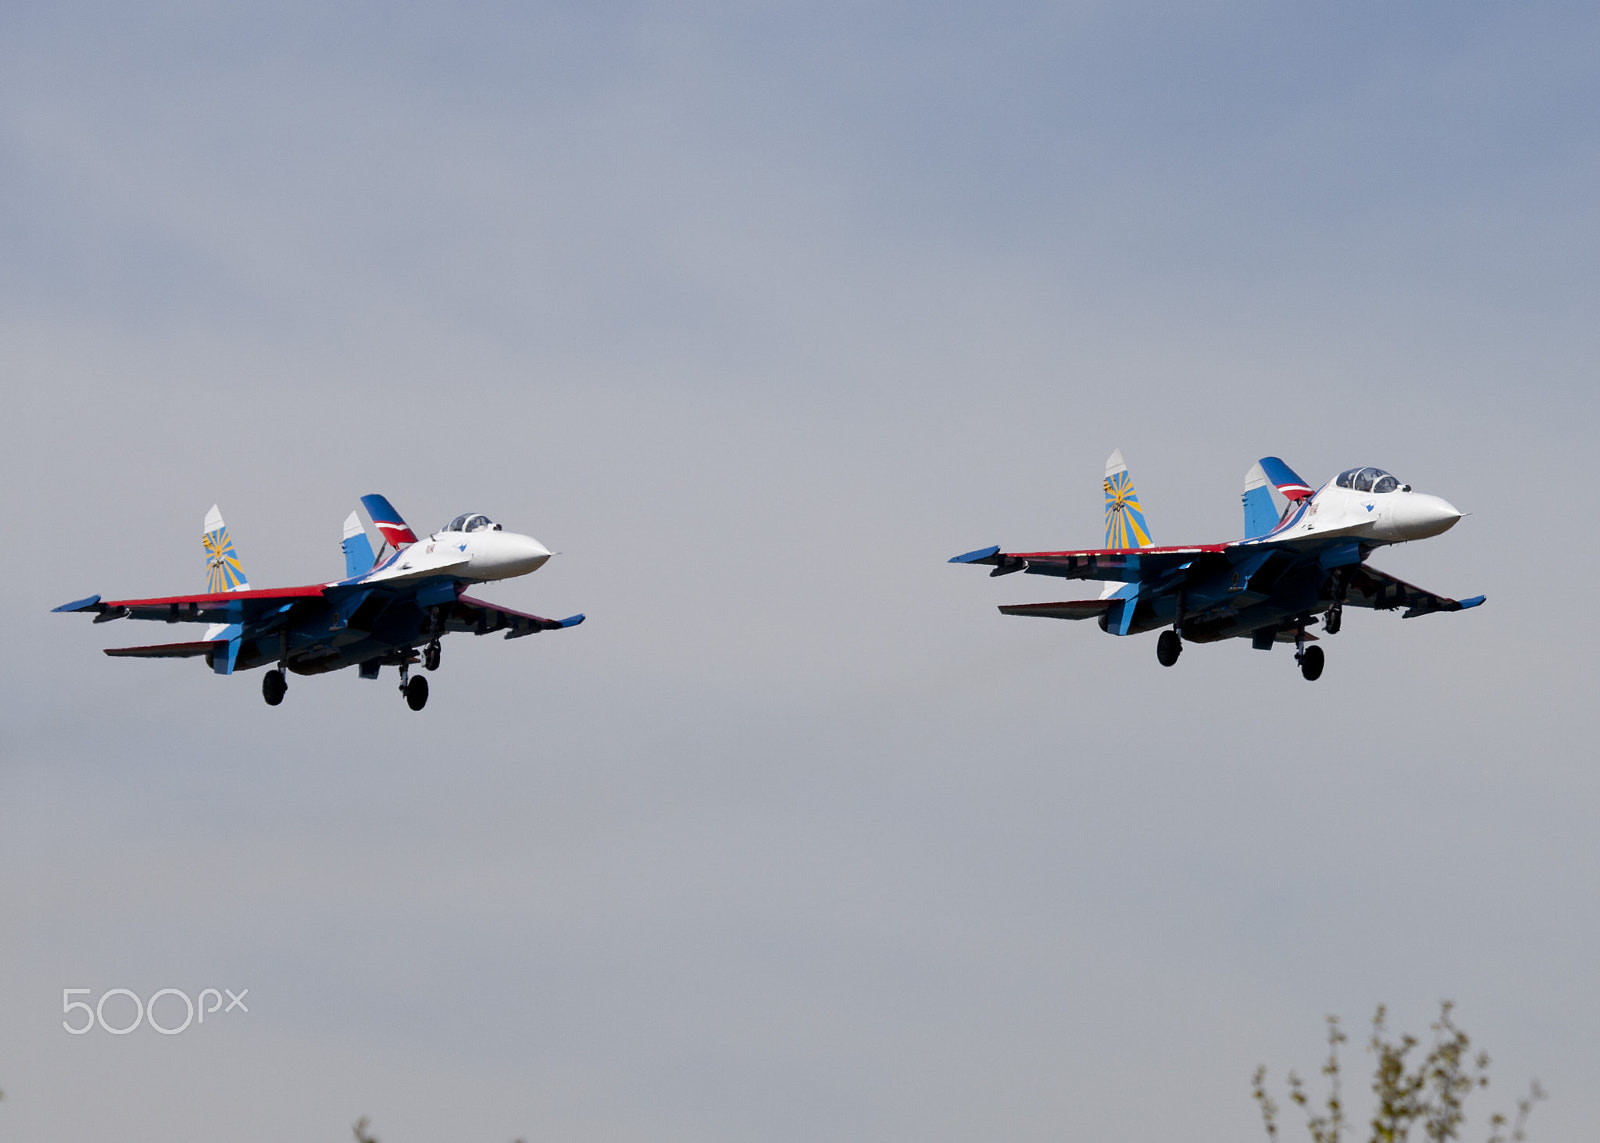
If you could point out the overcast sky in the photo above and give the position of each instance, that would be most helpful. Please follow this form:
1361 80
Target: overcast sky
757 313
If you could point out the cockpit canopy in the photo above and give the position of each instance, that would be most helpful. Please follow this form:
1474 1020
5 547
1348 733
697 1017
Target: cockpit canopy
472 522
1370 479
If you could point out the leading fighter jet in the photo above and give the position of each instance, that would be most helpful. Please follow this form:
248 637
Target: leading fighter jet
405 596
1292 568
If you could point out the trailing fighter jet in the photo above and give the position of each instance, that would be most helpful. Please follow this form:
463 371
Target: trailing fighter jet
406 596
1308 560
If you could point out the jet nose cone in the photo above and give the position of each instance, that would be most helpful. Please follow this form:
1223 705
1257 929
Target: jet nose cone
1426 516
524 553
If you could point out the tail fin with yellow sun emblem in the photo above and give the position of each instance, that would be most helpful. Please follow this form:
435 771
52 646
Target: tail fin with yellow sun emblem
1125 525
225 573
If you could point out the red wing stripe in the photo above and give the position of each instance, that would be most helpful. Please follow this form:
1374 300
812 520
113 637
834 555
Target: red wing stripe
1084 552
222 598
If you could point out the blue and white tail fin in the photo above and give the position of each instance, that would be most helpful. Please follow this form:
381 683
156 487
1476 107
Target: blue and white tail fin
1269 487
222 562
1261 512
1125 523
358 558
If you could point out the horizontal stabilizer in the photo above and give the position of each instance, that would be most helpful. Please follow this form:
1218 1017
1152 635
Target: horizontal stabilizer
85 604
1071 609
169 650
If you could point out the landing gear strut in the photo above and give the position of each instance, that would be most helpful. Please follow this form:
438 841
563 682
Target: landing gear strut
415 690
273 687
1170 644
1309 658
430 656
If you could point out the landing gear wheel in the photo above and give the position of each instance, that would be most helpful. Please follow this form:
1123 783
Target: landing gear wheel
1333 620
273 687
416 692
430 657
1311 663
1168 647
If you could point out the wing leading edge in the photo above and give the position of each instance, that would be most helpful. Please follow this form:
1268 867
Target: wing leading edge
1117 564
1369 587
211 607
481 618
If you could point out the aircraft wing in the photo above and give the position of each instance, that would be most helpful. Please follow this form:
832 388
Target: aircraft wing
480 618
1071 609
169 650
1123 564
213 607
1369 587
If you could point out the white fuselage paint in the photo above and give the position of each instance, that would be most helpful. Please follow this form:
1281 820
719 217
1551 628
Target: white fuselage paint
474 557
492 554
1382 517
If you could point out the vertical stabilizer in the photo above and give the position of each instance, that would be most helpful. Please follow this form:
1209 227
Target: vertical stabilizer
357 548
1285 479
396 532
1125 524
1260 512
225 572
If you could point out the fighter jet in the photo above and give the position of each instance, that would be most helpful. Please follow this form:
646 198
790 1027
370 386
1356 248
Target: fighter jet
406 595
1294 568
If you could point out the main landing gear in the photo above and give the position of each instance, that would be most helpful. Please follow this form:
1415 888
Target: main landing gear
415 690
274 684
430 657
1309 658
1170 644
